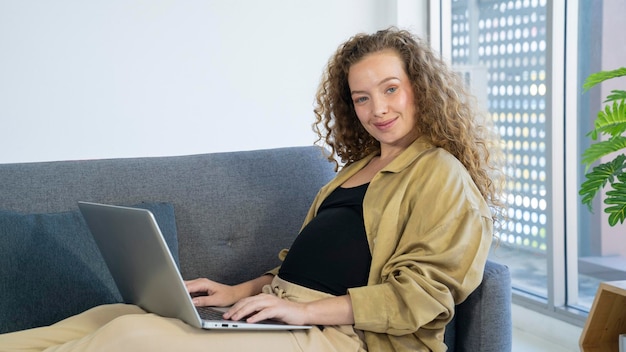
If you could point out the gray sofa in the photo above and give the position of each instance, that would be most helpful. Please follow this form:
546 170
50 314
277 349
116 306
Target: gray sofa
225 216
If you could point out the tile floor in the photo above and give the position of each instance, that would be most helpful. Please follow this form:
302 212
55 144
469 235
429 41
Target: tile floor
527 342
536 332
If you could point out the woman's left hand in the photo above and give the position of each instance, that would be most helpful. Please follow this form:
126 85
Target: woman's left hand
266 306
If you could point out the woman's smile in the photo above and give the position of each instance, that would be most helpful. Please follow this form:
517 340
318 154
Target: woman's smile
385 125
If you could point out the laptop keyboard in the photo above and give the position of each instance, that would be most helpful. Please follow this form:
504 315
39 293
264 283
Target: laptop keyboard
208 313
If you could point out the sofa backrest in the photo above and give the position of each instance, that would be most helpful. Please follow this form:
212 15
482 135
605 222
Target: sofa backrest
234 211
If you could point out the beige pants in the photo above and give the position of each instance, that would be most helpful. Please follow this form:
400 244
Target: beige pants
121 327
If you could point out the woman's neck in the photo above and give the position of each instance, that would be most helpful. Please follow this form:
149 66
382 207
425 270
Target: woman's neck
389 152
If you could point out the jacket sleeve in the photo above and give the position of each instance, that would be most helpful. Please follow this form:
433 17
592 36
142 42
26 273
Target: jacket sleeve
427 258
426 278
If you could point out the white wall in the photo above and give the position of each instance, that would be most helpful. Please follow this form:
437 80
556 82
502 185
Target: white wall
612 243
123 78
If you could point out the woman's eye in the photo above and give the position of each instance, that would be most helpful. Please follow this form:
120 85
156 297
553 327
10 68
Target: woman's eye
392 89
360 100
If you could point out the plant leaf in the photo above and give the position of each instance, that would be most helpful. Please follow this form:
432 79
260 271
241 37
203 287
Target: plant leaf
596 180
611 120
599 176
617 199
600 149
602 76
616 95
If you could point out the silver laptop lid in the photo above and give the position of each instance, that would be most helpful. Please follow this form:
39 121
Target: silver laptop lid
139 260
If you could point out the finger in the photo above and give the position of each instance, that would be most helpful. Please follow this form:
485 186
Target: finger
239 310
261 315
196 285
201 301
247 307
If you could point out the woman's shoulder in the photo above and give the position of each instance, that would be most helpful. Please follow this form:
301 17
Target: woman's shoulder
441 175
439 159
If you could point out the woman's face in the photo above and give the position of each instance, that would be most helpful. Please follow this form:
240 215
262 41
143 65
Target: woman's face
383 99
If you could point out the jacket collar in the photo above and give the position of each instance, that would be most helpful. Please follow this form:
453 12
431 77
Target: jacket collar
408 156
401 162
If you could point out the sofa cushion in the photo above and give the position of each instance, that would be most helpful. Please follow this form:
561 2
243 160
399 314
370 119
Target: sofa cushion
51 268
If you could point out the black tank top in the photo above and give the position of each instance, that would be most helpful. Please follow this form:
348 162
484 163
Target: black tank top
331 253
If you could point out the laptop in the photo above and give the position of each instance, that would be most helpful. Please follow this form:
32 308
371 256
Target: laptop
144 270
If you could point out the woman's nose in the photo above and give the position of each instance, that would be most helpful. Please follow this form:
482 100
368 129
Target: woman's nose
380 106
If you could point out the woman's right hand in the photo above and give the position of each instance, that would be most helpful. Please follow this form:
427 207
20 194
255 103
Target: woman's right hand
206 292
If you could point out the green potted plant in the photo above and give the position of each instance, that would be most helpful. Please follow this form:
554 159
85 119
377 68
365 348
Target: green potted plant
610 175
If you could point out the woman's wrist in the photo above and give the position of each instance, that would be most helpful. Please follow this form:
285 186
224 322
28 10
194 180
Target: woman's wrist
329 311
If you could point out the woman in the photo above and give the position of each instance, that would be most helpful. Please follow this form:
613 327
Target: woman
389 246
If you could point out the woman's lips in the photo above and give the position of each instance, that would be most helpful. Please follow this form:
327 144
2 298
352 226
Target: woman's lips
385 124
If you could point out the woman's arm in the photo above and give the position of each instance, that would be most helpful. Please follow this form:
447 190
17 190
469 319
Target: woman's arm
326 311
425 278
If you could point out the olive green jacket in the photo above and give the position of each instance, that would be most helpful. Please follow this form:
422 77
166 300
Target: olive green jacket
429 232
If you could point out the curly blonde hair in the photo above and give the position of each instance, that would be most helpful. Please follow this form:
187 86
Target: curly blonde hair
446 113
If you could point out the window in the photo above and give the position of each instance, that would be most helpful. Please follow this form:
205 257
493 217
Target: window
601 248
526 60
503 43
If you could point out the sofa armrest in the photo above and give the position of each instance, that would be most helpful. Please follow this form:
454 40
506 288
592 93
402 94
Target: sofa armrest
483 321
